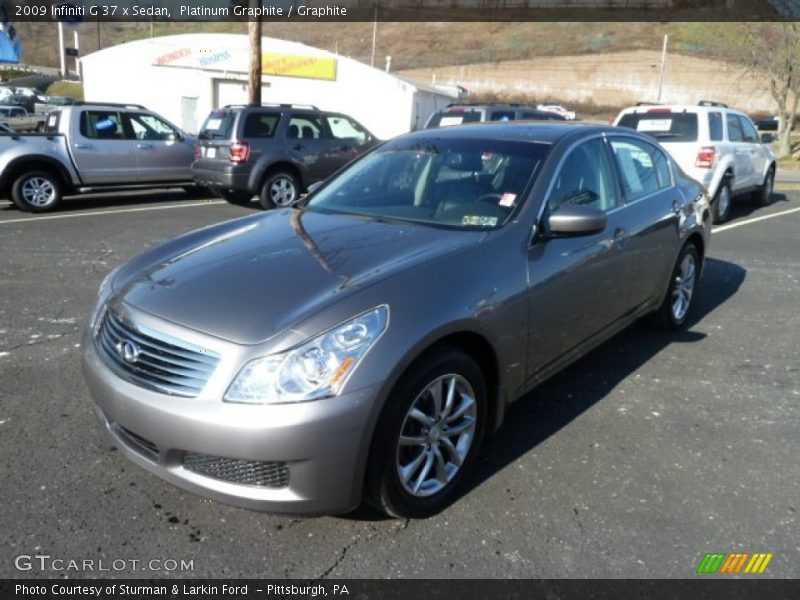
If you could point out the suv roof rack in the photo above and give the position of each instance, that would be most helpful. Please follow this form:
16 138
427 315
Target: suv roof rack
712 103
648 104
282 105
117 104
486 104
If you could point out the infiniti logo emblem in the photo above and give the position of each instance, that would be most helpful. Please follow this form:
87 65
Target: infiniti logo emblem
129 351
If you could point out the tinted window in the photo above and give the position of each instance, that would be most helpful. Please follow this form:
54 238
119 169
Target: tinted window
664 126
502 115
450 182
715 126
218 125
454 117
260 125
307 127
343 128
102 125
735 133
749 132
585 178
644 169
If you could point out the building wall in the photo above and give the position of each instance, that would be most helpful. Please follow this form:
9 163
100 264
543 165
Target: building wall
177 76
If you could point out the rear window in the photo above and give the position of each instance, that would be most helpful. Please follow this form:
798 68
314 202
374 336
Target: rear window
664 126
218 125
454 117
502 115
260 125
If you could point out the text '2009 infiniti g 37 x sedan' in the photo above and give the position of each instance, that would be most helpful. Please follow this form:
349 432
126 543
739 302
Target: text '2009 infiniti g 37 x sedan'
362 345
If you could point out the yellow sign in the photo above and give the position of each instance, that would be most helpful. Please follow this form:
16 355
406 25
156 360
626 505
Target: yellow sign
292 65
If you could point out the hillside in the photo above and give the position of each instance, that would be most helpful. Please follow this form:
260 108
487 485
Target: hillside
423 45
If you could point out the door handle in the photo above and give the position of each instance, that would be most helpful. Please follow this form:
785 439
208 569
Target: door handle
676 207
144 146
619 232
83 146
346 148
298 147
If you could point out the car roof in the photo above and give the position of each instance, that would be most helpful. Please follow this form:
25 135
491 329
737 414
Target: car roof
548 132
678 108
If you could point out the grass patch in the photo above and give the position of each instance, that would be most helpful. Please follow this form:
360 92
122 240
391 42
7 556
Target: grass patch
71 89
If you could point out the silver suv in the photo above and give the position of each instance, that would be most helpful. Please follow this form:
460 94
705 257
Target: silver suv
714 144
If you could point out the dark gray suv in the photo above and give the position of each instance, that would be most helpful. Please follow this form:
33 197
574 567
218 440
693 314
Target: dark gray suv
274 151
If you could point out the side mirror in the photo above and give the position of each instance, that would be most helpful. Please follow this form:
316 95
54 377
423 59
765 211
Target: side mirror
767 138
314 187
577 220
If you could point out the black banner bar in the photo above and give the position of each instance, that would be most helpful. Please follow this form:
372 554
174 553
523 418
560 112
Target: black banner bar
700 588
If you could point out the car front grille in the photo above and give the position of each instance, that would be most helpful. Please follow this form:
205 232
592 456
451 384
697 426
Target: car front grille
153 360
243 472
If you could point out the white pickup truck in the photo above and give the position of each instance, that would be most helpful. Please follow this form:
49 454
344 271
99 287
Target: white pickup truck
89 147
20 119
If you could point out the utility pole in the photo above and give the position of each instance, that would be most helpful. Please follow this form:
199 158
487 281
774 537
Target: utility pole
663 66
374 34
61 52
254 29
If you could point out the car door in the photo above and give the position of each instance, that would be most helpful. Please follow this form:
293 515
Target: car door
651 214
743 168
578 286
309 143
103 151
351 139
162 153
756 150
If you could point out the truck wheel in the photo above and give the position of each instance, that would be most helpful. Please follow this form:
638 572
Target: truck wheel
764 193
721 207
280 190
36 191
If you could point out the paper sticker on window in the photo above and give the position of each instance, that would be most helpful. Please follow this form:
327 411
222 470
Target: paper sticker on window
507 199
479 221
654 125
213 123
446 121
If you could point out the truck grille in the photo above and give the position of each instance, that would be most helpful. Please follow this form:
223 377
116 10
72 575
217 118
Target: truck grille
153 360
234 470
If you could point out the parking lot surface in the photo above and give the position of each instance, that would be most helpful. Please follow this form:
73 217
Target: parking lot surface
634 462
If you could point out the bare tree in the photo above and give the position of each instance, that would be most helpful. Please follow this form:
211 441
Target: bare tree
772 51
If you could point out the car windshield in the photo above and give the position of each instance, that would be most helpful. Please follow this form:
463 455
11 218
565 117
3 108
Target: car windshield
465 184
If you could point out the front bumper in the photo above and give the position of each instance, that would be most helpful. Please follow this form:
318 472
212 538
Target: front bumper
323 443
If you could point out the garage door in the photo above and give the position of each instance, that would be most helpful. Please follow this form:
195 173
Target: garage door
230 91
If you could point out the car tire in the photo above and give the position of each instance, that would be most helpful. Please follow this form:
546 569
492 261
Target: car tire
37 191
679 299
764 193
721 207
434 454
281 189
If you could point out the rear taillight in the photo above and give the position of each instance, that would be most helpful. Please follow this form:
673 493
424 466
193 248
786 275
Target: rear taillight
198 152
705 157
239 152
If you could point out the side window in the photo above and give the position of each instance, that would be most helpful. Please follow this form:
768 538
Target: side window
585 178
502 115
306 127
715 126
343 128
644 169
18 112
149 127
102 125
749 130
260 125
735 133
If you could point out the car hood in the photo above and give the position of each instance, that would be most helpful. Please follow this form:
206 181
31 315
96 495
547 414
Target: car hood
248 279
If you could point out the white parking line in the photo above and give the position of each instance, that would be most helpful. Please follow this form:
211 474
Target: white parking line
113 212
753 220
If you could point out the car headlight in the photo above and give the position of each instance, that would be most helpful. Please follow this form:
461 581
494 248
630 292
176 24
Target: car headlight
316 369
103 294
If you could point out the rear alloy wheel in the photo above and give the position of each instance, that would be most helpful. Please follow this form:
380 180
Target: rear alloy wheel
428 437
677 303
764 193
721 208
281 189
37 191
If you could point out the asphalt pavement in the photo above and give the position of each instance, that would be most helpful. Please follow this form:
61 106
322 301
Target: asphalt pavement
635 462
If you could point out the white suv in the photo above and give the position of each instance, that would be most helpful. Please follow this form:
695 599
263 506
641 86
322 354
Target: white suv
716 145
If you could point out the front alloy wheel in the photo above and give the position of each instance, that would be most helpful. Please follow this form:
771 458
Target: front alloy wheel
764 194
428 435
722 204
436 435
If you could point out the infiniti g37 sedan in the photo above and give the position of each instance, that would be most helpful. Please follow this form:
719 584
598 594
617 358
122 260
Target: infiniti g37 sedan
360 346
